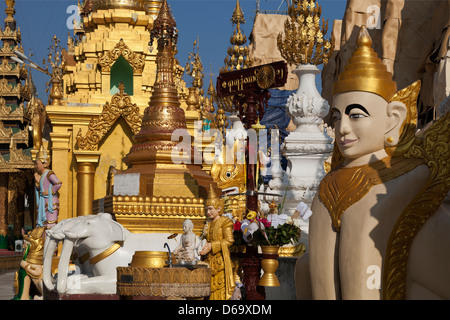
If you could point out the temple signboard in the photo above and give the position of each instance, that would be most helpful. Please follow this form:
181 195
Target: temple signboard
271 75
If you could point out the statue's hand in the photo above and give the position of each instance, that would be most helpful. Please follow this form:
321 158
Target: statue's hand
206 249
37 177
24 264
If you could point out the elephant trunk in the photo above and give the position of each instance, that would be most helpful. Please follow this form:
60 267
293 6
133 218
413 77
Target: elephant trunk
49 250
63 266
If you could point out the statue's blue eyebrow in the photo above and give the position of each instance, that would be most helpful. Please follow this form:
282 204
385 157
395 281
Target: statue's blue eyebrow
355 106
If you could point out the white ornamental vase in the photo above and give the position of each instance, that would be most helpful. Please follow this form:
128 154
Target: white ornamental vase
308 146
306 106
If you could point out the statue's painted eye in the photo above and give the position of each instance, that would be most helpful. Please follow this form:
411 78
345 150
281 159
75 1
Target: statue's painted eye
228 174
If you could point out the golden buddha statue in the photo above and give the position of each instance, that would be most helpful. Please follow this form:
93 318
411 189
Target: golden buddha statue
218 233
374 231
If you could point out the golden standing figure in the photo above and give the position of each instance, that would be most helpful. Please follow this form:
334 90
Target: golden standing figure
218 233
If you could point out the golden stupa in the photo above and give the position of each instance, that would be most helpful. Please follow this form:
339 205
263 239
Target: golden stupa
169 192
109 74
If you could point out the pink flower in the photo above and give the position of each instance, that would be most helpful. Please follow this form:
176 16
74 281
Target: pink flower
265 223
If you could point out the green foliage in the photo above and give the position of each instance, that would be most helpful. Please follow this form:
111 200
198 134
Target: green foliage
284 234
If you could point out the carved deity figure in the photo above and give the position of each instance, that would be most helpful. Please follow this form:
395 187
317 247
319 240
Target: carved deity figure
379 228
31 266
185 252
218 233
47 185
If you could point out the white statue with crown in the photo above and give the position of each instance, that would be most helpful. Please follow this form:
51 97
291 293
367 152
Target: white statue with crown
381 216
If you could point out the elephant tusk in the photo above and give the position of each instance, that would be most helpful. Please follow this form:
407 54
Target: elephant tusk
63 266
49 249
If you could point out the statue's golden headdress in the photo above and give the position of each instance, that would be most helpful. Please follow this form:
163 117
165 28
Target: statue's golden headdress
365 72
213 199
43 156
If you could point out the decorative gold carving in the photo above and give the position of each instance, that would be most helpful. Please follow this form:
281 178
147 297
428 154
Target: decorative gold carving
18 112
3 162
432 146
7 33
5 133
9 89
238 53
118 4
4 109
121 49
171 283
157 213
231 177
304 41
120 106
21 136
408 96
343 187
265 76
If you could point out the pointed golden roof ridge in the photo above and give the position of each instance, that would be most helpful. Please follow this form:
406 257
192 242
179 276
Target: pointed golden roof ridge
238 15
165 17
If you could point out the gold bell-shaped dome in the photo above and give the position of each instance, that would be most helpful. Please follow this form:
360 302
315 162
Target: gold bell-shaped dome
365 72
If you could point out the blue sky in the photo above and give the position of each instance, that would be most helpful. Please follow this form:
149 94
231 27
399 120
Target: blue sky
209 20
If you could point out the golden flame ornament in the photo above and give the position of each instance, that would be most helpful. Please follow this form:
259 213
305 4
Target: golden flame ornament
303 41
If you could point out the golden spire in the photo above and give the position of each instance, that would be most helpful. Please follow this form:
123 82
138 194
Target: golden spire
237 58
304 41
365 72
238 15
10 11
194 68
153 143
164 114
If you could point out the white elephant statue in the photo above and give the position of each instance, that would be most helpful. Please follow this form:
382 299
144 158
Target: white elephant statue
108 245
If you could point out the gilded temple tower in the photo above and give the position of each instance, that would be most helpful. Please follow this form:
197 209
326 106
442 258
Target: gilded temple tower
15 141
169 186
109 74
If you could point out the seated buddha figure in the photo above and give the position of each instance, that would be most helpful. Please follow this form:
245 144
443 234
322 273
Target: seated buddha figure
380 223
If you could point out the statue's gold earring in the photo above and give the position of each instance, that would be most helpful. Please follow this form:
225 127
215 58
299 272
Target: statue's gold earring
389 140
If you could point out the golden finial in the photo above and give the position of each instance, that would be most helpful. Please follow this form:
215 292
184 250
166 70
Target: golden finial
9 10
194 67
365 72
211 89
304 41
238 15
238 54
